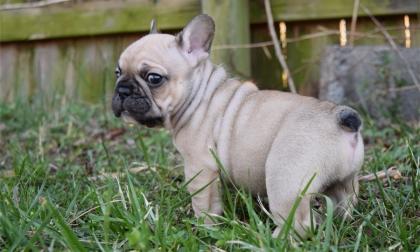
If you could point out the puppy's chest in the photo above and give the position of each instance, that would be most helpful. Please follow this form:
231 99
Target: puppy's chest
192 143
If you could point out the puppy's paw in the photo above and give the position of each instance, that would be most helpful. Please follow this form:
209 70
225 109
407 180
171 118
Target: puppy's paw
276 232
303 231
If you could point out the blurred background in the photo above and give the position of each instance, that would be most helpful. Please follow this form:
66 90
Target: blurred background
358 52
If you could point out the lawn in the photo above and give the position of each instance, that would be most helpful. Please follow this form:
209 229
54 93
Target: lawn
73 177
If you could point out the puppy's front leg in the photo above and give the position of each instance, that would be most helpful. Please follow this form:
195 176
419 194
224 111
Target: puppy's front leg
204 188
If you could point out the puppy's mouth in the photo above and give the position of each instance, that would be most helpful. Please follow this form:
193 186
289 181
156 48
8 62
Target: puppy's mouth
137 108
150 122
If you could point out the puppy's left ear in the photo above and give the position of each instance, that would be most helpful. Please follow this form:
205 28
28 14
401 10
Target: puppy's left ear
196 38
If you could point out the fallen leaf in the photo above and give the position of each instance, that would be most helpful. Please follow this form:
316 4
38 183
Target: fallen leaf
134 170
7 173
114 133
53 168
2 127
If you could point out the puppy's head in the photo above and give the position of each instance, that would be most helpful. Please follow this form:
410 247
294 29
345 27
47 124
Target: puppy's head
154 73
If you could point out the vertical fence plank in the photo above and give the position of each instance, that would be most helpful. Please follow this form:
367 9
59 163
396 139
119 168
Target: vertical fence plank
232 28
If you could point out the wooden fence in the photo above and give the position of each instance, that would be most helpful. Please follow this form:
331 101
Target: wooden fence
71 47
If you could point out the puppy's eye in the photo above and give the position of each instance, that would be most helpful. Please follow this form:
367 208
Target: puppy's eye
117 72
154 79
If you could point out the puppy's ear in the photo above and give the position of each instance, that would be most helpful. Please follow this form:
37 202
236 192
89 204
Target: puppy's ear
196 38
153 27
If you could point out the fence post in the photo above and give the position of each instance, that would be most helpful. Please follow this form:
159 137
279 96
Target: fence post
232 28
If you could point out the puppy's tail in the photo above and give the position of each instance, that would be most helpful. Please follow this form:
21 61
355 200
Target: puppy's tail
348 119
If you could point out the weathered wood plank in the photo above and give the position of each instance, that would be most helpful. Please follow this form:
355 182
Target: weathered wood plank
81 68
94 18
301 10
232 27
111 17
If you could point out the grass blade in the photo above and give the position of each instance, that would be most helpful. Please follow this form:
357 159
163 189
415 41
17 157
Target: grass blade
328 224
68 235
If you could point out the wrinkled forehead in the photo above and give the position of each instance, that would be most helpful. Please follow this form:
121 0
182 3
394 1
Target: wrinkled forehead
151 49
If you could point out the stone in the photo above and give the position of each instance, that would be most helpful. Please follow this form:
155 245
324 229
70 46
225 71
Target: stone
373 79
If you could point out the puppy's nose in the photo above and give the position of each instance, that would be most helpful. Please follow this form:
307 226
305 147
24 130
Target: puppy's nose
124 90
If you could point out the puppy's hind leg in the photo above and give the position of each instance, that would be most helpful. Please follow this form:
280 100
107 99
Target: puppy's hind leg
301 219
287 174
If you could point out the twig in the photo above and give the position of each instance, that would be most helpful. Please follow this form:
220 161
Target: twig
405 88
382 175
393 45
270 43
90 210
276 44
29 5
237 46
353 21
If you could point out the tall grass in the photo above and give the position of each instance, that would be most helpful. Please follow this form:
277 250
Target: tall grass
67 183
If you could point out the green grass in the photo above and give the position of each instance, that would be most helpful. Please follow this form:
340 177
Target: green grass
57 192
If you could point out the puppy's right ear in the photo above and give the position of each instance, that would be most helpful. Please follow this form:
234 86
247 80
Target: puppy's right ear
196 38
153 27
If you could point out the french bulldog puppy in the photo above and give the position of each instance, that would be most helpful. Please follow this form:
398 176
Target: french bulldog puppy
271 143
